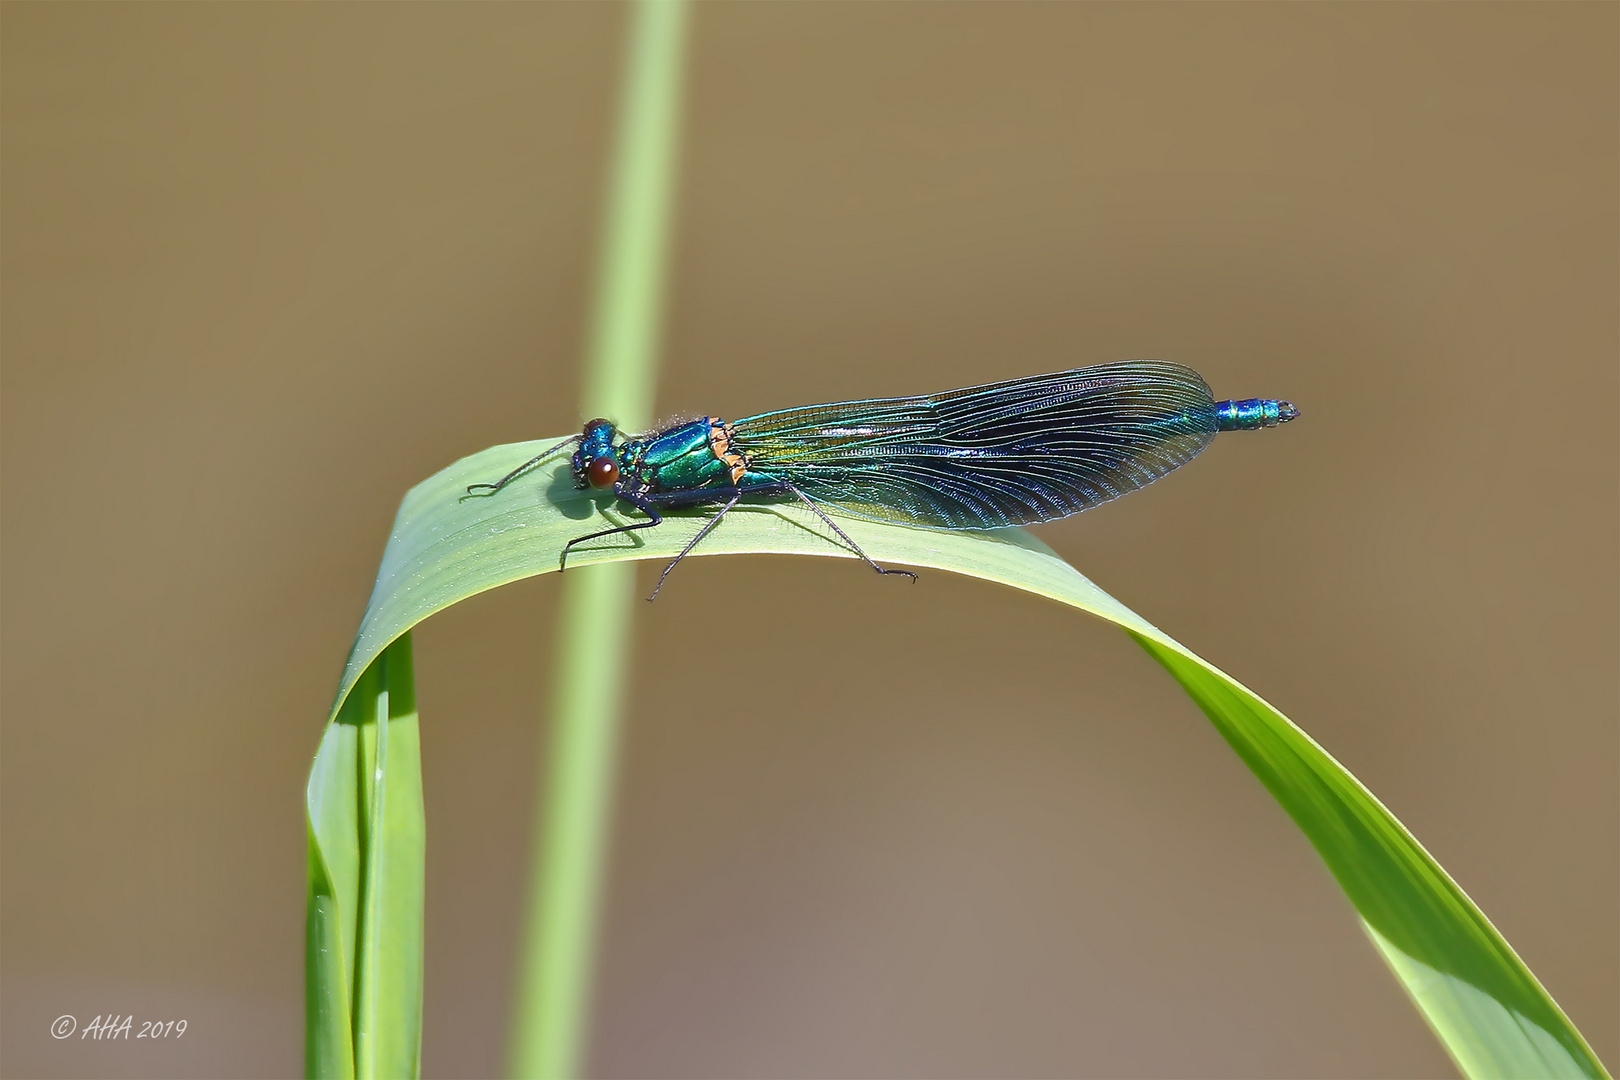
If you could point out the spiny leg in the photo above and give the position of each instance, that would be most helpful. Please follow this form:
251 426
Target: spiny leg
843 535
648 510
521 469
692 543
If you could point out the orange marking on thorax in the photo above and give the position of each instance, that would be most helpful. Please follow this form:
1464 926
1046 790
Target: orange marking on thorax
720 436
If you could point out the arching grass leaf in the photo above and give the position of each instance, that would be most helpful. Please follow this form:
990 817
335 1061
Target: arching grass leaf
1488 1010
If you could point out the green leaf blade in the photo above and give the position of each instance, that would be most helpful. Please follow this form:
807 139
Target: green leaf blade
363 930
447 545
1485 1006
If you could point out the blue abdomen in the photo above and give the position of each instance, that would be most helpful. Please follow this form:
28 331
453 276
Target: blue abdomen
1252 413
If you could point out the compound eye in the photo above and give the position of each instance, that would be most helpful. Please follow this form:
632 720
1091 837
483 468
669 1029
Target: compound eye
603 472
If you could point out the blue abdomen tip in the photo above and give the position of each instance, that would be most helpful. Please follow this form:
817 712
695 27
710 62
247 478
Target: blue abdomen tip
1251 413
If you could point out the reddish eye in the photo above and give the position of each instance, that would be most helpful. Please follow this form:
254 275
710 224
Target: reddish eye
603 472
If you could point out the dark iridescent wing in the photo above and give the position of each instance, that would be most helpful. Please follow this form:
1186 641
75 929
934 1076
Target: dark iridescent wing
989 456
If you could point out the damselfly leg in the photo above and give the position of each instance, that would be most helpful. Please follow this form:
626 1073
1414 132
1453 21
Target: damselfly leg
653 519
698 497
520 470
842 535
692 543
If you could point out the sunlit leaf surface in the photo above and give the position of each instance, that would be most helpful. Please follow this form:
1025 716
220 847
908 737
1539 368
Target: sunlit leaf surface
1486 1007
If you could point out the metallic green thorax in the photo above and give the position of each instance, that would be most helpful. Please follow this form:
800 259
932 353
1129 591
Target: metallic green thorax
693 455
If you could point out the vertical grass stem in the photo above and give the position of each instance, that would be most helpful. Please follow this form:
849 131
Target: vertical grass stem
552 1013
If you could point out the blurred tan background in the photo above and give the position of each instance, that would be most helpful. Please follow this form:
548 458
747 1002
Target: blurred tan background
266 266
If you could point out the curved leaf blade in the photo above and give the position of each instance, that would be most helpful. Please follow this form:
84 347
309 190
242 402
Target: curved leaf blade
446 546
363 930
1485 1006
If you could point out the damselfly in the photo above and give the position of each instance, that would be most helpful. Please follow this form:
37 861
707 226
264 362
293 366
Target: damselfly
987 457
